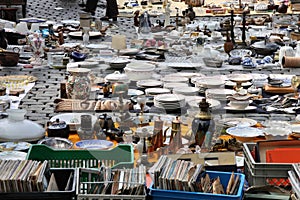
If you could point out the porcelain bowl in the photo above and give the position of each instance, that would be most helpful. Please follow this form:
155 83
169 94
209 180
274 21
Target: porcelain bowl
139 71
239 104
277 133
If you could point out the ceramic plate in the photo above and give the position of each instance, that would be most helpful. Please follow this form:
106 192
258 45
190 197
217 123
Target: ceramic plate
78 34
239 77
73 119
156 91
244 131
235 120
213 103
70 45
232 84
295 128
169 98
129 51
94 144
97 46
13 155
134 92
149 83
14 146
236 109
183 65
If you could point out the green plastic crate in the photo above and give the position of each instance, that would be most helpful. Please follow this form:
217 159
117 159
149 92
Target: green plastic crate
119 157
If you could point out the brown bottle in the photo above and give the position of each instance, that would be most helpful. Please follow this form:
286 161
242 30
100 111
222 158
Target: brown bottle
228 45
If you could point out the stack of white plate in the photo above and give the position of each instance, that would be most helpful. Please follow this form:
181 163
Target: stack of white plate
210 82
171 86
169 101
219 94
157 91
176 79
188 91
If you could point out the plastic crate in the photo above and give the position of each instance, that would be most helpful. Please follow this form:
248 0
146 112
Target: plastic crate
62 176
119 157
85 180
159 194
264 173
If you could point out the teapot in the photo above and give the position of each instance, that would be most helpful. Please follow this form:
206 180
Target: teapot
58 129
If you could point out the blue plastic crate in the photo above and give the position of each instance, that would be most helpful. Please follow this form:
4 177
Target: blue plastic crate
159 194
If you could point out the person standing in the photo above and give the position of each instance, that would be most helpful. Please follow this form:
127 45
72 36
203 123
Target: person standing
111 10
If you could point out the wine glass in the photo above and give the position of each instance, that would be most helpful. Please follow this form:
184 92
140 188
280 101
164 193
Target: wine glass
295 81
141 100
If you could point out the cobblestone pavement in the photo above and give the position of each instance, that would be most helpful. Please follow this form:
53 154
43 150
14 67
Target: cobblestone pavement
39 102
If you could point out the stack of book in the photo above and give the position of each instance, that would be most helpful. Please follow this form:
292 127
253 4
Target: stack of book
23 176
170 174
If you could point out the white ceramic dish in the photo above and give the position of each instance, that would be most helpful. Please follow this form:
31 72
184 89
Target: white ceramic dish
210 82
277 133
239 77
134 92
236 120
186 65
149 83
244 131
237 109
186 91
213 103
139 71
97 46
218 93
177 79
156 91
78 34
171 86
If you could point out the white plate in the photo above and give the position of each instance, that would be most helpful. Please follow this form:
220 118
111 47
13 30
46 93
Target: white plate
13 155
149 83
97 46
156 91
295 128
72 119
184 65
213 103
94 144
239 77
177 79
244 131
78 34
70 45
186 74
134 92
14 146
260 77
171 86
169 98
232 84
129 51
236 109
235 120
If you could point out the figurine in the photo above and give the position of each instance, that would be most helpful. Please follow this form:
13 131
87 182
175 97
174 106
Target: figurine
136 19
191 13
145 23
168 13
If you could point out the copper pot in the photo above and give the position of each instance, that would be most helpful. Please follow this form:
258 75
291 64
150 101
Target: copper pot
9 58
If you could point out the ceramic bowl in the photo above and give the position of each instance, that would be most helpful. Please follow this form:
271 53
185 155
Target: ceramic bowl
94 144
239 104
117 77
8 58
56 142
118 63
139 71
277 133
76 56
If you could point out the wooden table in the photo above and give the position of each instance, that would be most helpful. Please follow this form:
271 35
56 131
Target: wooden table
8 3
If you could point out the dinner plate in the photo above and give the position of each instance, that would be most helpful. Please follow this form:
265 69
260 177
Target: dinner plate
237 109
97 46
78 34
12 155
232 84
244 131
134 92
236 120
183 65
128 52
72 119
14 146
149 83
156 91
213 103
169 98
94 144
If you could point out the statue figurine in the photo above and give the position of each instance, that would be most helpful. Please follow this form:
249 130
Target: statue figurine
191 13
167 14
145 23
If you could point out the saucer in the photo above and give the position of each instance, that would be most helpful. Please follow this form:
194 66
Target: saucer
236 109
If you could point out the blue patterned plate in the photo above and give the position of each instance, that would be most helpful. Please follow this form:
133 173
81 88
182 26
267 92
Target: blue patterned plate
94 144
